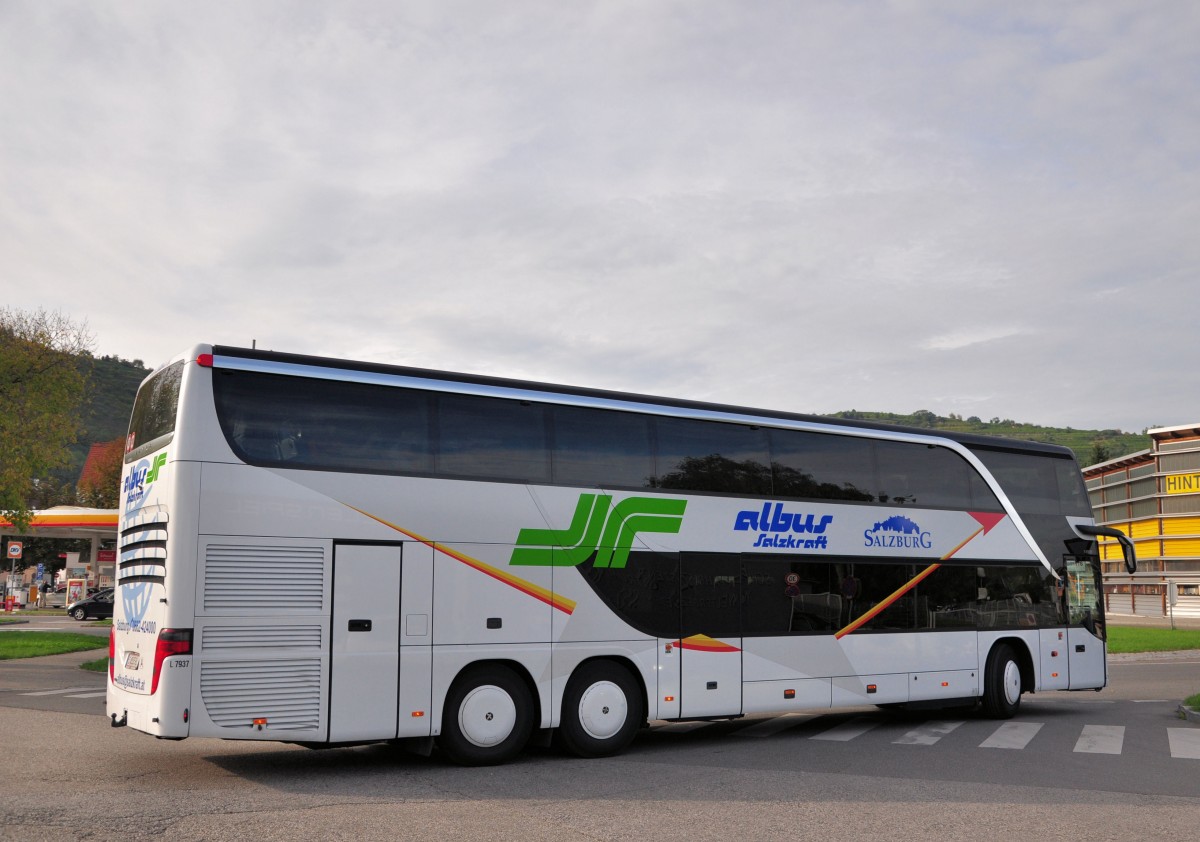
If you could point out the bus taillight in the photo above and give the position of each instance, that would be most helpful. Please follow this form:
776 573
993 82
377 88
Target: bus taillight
171 642
112 653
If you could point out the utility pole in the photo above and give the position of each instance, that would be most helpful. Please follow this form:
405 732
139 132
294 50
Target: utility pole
1172 598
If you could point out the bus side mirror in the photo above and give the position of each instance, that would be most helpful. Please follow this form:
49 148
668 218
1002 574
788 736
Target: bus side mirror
1108 532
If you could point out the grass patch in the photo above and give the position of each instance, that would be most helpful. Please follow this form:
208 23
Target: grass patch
60 611
1139 639
14 644
98 665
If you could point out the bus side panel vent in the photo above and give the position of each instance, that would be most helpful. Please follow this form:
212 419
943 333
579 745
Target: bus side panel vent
286 693
259 638
249 579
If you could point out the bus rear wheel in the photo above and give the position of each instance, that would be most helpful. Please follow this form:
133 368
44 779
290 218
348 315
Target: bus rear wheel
488 717
602 709
1002 683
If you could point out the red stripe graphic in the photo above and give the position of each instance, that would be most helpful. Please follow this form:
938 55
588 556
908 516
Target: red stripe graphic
987 521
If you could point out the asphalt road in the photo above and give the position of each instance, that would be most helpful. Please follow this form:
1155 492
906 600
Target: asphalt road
1117 764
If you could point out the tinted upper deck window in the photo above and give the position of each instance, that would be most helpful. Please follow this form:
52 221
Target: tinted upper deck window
822 466
492 438
710 456
310 423
1039 484
599 448
924 475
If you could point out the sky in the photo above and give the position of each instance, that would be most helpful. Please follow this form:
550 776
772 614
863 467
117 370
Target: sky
979 208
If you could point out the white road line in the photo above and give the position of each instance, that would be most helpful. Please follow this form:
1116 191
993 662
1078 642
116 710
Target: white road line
847 730
56 692
1185 742
87 695
1014 735
1101 739
927 734
774 725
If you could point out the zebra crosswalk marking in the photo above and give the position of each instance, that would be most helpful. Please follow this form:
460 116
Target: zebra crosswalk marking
1101 739
1185 742
928 734
1016 735
847 730
1013 735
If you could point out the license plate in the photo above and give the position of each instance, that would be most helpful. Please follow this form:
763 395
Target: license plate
133 660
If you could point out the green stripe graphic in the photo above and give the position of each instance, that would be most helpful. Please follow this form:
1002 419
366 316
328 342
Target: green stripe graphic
598 526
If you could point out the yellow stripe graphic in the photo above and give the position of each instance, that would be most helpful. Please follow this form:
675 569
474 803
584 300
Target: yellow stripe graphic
549 597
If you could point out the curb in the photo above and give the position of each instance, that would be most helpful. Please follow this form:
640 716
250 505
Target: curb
1154 655
1190 715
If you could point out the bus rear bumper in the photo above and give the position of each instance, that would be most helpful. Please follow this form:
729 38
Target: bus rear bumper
145 714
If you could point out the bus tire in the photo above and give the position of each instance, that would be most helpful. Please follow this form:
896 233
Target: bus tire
602 709
1002 683
488 717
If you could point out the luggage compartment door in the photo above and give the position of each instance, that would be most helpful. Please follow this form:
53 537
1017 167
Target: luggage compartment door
365 662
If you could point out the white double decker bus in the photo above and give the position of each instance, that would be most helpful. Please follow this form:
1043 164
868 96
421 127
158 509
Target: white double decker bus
327 552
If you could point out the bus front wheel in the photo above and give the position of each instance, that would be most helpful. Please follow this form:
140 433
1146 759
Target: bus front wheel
603 707
1002 683
488 717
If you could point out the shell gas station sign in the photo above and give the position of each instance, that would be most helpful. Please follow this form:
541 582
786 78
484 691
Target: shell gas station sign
12 551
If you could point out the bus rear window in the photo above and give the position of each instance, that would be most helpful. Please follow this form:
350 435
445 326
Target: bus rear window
153 420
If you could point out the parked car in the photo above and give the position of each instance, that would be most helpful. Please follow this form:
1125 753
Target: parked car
98 605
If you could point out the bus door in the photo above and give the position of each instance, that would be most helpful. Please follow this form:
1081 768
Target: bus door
365 662
1085 618
710 644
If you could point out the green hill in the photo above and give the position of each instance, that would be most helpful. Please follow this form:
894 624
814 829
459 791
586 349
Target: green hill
112 386
1090 446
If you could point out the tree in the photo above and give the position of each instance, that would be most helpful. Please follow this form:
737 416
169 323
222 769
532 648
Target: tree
100 485
924 418
42 386
1100 452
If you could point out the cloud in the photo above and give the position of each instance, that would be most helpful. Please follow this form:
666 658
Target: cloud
778 204
967 337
